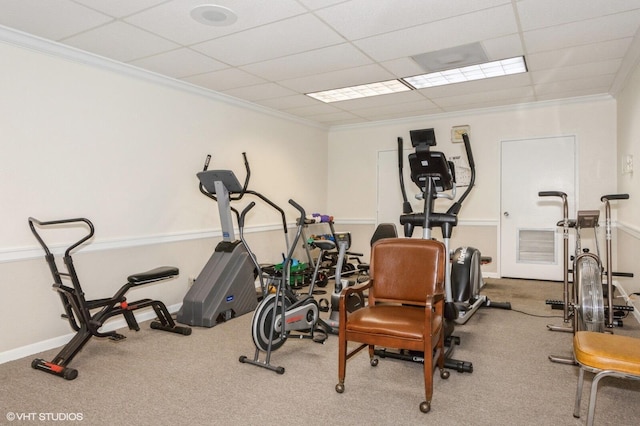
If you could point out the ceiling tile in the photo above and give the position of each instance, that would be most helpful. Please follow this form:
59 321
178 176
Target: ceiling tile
119 8
179 63
576 71
120 41
52 19
229 78
490 103
476 26
573 34
359 19
613 49
403 67
173 20
319 4
385 112
338 79
378 101
318 108
600 81
277 50
293 35
503 47
342 117
478 86
493 95
309 63
536 14
260 91
287 102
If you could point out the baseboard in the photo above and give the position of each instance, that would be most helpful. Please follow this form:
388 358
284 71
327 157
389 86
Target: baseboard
59 341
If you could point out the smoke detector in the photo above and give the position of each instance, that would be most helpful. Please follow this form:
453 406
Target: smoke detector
214 15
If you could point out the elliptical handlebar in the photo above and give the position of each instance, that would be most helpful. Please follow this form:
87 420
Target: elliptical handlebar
300 209
406 205
243 214
455 208
244 186
244 191
35 221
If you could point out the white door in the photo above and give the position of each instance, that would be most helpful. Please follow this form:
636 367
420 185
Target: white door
530 241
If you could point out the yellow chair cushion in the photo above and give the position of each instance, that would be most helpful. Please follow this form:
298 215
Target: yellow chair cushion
605 351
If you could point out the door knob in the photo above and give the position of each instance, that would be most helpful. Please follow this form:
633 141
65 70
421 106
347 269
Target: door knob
506 214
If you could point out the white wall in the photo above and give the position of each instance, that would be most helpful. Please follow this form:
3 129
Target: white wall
629 144
80 140
353 152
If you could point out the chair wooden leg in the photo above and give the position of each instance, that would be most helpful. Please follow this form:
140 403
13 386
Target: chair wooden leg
342 364
425 406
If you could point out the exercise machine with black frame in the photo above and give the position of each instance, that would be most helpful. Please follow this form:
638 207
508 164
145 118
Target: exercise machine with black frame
87 317
284 311
225 288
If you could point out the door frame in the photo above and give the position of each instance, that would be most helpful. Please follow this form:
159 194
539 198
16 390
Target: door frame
573 204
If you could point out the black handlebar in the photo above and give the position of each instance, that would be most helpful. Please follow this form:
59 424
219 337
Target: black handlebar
455 208
552 194
406 205
614 197
243 213
34 221
298 207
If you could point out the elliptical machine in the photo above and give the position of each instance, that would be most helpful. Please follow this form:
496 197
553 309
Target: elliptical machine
435 176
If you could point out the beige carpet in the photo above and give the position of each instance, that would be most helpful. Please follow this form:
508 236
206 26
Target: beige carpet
157 378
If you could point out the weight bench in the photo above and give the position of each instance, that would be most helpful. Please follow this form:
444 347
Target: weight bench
78 310
605 355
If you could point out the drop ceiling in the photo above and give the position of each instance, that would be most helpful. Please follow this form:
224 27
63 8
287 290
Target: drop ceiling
278 50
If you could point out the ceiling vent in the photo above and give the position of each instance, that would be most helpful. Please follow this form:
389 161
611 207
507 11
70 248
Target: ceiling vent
453 57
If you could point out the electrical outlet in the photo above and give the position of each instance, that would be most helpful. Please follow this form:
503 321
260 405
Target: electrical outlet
627 164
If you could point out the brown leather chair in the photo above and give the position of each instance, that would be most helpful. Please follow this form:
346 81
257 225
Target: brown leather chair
405 307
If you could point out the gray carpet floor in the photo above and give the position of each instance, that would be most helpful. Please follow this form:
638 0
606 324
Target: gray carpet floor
157 378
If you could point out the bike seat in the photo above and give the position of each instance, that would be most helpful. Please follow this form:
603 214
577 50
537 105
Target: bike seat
324 244
156 274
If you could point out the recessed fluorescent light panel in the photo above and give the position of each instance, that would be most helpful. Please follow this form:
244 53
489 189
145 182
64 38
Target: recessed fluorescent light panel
472 72
456 75
362 91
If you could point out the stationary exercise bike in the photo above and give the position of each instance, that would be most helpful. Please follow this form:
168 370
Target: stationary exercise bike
583 302
78 310
283 311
